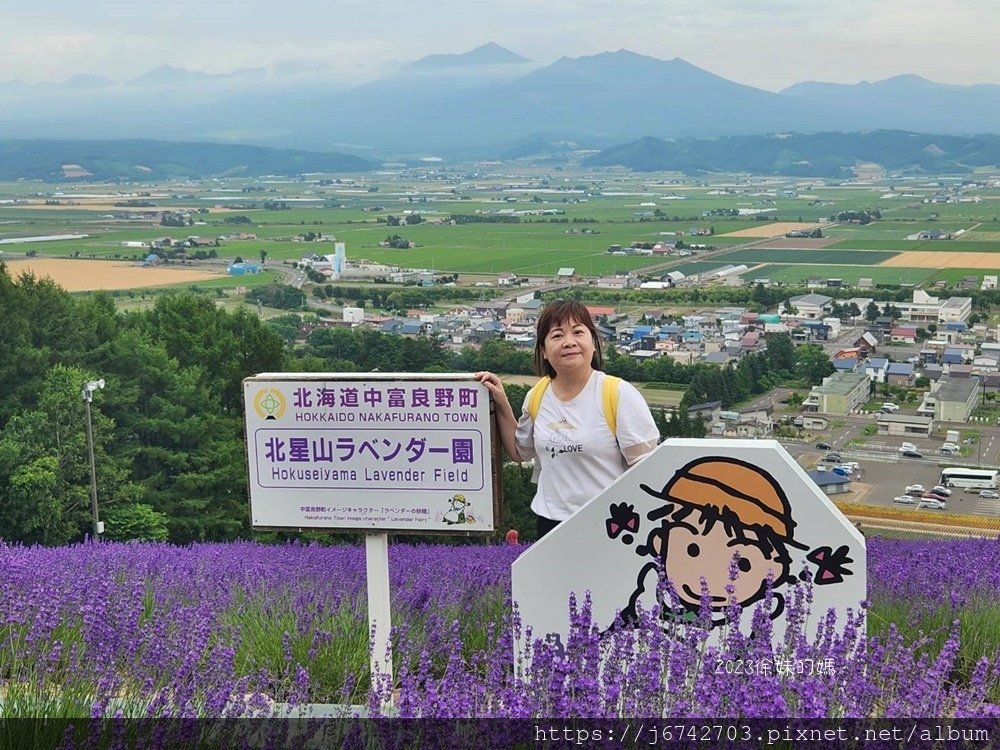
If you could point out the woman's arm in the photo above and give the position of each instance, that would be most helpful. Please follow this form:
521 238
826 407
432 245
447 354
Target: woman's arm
506 421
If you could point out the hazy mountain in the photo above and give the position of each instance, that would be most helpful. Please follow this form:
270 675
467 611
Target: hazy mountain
906 101
483 103
88 81
488 54
167 75
815 155
596 100
146 160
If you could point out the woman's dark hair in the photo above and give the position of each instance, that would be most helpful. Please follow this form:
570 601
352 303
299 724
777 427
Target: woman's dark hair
556 314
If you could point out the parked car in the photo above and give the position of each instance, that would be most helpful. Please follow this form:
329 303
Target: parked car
905 499
890 406
832 457
939 490
841 471
917 488
824 446
932 503
911 454
989 494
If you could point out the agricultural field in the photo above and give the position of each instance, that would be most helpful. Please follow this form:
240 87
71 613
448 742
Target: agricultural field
819 256
795 274
89 275
565 220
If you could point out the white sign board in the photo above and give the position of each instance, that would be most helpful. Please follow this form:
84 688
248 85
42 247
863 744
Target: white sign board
367 452
685 509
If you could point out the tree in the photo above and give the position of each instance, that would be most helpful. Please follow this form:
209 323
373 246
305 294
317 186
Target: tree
871 312
780 353
44 469
812 363
263 256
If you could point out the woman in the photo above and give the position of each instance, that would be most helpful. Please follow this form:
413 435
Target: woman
576 452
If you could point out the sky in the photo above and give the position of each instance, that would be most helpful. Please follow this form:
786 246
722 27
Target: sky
770 44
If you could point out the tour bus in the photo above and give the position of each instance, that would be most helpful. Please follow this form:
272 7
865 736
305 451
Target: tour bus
972 479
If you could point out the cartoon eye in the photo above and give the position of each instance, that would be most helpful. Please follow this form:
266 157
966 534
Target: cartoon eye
693 550
744 565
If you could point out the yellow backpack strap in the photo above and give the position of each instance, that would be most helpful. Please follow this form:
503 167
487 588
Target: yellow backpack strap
610 401
535 396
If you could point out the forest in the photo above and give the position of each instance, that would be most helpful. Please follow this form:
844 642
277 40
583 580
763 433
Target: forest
168 428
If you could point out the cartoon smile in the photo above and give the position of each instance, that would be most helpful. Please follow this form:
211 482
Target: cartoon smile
697 597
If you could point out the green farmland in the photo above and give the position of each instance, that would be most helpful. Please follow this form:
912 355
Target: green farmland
819 256
927 246
796 274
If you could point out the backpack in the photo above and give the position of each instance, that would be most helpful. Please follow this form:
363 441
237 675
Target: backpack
609 398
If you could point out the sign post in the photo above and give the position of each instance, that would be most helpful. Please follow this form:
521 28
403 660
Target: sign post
375 453
379 605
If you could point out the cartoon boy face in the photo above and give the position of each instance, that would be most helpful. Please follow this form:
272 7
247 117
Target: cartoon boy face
696 548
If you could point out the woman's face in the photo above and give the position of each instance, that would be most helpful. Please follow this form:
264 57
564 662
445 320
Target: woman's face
569 347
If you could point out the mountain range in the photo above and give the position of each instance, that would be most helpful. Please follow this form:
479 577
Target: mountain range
487 103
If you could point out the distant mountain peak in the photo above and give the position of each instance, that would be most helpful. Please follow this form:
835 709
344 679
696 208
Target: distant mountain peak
487 54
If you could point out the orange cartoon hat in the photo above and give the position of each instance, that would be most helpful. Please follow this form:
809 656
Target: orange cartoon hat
747 491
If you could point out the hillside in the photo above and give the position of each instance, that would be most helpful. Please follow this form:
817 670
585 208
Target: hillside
155 160
817 155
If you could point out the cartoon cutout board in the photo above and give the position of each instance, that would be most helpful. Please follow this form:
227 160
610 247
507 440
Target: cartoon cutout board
689 507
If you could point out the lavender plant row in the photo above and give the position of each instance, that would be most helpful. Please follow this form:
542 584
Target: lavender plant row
151 630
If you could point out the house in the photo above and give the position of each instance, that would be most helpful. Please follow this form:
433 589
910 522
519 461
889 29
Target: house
899 373
951 399
830 482
905 425
903 335
707 412
876 368
867 343
840 393
845 364
812 306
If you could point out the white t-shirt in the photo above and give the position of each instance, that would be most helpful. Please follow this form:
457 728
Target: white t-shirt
574 448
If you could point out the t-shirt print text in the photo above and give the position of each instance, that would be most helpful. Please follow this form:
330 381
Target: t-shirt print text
560 441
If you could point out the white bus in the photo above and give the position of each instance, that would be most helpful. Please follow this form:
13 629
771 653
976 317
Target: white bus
972 479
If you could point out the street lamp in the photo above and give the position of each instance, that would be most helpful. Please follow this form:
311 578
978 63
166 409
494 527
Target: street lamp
88 395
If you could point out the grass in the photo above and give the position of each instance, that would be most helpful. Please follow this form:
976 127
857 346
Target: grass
819 256
790 274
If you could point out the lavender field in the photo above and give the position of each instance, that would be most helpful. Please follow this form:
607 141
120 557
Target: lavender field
227 630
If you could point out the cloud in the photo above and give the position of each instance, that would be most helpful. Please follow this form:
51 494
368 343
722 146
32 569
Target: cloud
767 43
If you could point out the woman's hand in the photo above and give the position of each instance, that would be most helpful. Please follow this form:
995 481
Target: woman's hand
494 385
506 421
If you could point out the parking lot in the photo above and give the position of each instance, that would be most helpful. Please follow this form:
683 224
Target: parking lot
885 474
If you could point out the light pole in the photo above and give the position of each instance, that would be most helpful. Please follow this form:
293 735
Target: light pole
88 395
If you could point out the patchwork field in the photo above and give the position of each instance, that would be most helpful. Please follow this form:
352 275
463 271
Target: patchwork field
93 275
774 229
799 243
945 260
820 256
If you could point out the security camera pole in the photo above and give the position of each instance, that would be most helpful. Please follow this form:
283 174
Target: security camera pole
88 396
